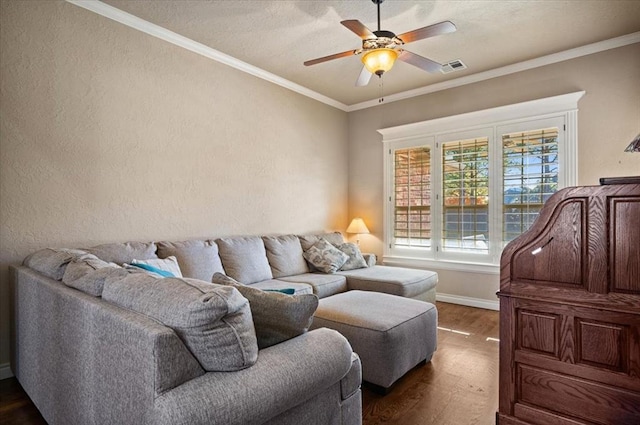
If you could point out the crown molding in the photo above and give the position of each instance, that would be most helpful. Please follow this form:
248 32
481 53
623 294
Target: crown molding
162 33
506 70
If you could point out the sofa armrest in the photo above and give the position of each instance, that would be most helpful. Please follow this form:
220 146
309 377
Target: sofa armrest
350 384
285 375
370 259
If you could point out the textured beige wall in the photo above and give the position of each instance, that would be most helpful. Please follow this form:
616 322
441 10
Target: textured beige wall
108 134
609 117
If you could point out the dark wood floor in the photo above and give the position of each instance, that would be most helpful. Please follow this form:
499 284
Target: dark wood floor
460 384
458 387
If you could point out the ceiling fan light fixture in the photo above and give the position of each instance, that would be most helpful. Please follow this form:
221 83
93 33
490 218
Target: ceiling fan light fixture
379 61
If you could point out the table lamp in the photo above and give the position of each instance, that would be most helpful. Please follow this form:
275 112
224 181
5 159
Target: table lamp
358 227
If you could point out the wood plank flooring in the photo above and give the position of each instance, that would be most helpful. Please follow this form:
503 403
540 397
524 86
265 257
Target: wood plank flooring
458 387
460 384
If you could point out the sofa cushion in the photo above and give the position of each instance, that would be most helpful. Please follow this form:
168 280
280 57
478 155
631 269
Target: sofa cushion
52 262
277 285
325 257
213 321
161 267
198 259
323 285
277 317
121 253
356 260
285 255
391 280
245 259
88 273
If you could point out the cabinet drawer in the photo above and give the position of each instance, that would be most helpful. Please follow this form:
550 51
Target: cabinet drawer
578 398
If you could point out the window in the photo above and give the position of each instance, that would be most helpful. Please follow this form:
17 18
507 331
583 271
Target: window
465 195
412 182
460 188
529 177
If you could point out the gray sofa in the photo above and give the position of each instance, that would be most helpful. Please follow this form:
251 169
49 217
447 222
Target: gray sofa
85 360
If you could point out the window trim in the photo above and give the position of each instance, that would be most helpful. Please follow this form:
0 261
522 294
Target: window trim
432 132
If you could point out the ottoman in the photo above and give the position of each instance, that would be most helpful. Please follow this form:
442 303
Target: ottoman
391 334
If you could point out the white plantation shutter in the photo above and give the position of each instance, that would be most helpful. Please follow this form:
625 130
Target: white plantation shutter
465 195
412 200
530 177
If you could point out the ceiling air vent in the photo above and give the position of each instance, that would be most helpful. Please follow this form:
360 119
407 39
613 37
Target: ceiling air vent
454 65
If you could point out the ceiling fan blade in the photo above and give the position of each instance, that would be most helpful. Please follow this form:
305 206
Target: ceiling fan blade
444 27
419 61
364 77
330 57
359 29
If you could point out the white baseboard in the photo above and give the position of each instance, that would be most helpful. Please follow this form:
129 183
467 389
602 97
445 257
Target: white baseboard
5 371
468 301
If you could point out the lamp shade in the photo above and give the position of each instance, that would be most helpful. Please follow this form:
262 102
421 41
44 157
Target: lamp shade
357 226
379 61
634 146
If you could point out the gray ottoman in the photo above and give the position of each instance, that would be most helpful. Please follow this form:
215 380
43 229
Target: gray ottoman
391 334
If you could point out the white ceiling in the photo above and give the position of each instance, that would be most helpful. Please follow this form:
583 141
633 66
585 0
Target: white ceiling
278 36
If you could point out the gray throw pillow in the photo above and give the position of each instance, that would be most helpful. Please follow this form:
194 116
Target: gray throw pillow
52 262
198 259
121 253
245 259
213 321
356 260
88 273
277 317
325 257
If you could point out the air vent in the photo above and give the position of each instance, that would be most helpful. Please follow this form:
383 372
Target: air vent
454 65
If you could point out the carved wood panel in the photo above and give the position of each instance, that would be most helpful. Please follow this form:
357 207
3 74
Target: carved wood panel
560 393
625 245
602 345
559 254
538 332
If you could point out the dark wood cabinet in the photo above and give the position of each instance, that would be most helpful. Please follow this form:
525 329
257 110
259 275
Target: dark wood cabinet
570 311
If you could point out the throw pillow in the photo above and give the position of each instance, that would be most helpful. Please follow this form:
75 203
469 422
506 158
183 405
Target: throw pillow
88 273
52 262
162 267
121 253
356 260
198 259
168 264
150 270
245 259
325 257
277 317
213 321
285 255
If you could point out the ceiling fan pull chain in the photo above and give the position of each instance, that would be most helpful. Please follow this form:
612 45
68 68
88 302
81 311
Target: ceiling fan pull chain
381 86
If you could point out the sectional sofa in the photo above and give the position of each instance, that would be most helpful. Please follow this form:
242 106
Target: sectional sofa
91 346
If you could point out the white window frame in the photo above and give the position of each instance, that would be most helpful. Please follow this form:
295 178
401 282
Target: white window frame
560 111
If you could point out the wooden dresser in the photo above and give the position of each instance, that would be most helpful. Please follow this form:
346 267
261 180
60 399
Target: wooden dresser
570 311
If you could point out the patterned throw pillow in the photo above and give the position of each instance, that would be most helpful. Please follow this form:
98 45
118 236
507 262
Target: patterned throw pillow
356 260
325 257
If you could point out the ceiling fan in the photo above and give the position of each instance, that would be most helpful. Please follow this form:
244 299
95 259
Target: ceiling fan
381 48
